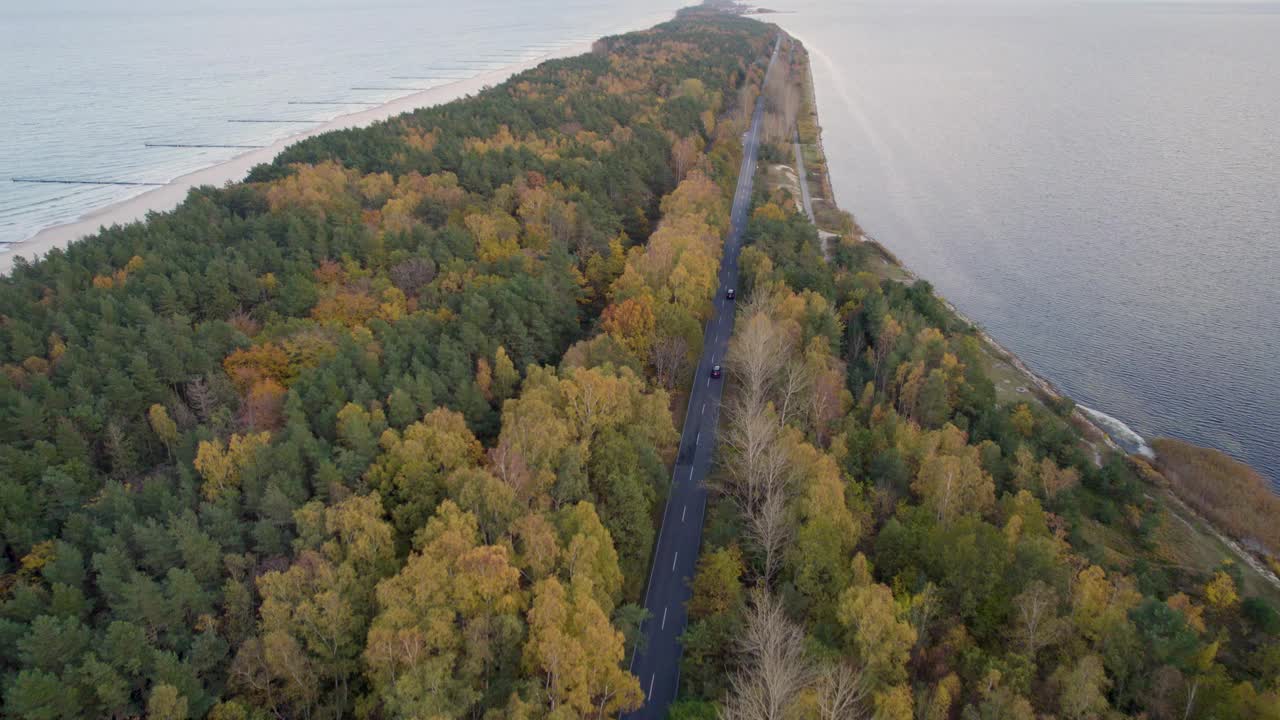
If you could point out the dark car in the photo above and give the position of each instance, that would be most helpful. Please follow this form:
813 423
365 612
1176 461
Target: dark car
730 294
715 371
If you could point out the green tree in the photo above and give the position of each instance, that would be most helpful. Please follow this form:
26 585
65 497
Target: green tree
717 584
166 704
623 474
39 695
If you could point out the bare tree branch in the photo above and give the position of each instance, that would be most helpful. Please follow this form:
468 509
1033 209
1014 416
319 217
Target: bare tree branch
774 667
842 692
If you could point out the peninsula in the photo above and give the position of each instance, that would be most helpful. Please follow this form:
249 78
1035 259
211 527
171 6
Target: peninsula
575 398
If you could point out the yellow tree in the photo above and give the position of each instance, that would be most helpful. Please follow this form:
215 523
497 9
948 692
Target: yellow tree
685 153
537 545
442 621
1026 472
318 189
412 470
951 481
876 627
1054 479
314 614
632 323
505 375
693 280
1191 613
163 426
604 268
496 235
553 422
577 653
352 532
1100 605
221 466
894 703
588 554
717 586
1220 592
698 195
258 362
826 531
484 378
1082 688
536 432
1023 421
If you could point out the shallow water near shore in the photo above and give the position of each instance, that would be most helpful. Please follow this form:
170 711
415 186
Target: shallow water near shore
1097 184
88 85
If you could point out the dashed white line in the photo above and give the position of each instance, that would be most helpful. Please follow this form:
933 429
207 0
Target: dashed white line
664 619
673 561
683 510
704 409
650 695
697 438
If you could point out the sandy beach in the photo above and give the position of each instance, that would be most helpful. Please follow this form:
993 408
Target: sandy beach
171 194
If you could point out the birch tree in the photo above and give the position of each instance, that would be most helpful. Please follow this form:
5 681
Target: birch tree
774 668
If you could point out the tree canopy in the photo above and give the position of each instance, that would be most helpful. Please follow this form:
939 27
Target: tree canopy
380 431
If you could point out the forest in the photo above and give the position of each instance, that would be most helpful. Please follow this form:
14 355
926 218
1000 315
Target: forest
385 430
379 432
891 541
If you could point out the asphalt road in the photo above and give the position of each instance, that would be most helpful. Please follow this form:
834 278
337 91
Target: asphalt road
680 538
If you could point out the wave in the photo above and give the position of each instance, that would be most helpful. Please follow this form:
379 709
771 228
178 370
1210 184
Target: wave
1124 436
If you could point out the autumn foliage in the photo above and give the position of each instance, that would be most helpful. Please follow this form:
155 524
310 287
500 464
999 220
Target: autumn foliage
1227 491
325 443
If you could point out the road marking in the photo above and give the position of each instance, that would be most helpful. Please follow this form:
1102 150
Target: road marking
664 619
697 438
704 409
745 182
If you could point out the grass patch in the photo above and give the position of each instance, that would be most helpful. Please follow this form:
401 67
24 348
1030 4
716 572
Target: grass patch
1185 542
1012 385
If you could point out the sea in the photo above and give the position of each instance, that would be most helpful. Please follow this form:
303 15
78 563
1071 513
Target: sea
101 90
1097 184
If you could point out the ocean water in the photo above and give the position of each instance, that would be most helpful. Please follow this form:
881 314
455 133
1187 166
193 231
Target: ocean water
87 84
1097 184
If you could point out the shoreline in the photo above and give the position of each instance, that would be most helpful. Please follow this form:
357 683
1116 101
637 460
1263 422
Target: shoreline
1116 433
1038 384
168 196
1082 417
